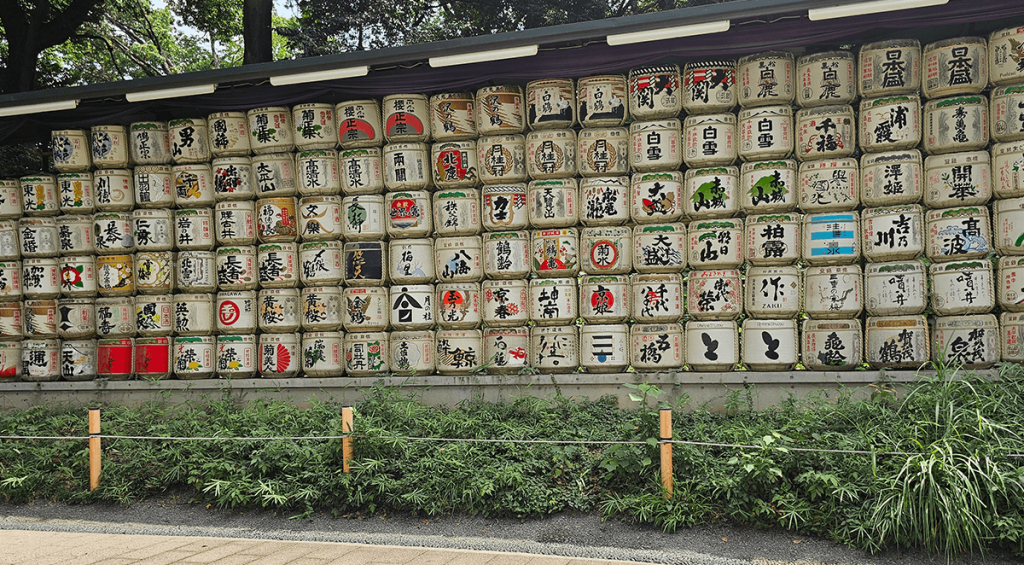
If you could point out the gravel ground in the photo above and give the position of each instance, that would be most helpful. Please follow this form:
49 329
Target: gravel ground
568 534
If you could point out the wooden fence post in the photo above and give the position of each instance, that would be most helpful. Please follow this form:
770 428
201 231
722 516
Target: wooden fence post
95 453
346 443
666 451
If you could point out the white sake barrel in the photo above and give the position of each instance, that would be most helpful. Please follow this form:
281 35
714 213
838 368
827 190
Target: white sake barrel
154 272
768 187
452 116
714 295
362 173
458 305
75 193
39 195
77 360
1011 330
41 277
235 223
315 127
279 356
77 276
657 347
657 298
501 158
318 173
1005 55
554 349
834 292
275 220
955 66
955 124
655 146
278 310
194 357
553 301
766 78
193 186
769 345
1010 284
151 144
458 352
270 130
970 342
41 319
831 238
277 265
605 299
893 232
321 308
603 151
1008 216
321 355
10 281
772 292
189 140
114 189
550 103
113 233
320 263
958 233
320 218
601 101
890 124
826 78
109 147
504 207
658 197
660 248
366 353
12 320
607 250
1007 113
551 154
712 192
455 164
506 350
38 237
716 244
766 133
363 217
458 259
895 289
507 255
890 67
359 124
826 132
409 214
154 315
505 303
275 175
709 87
407 166
773 239
10 199
412 307
412 353
958 179
457 212
710 140
555 252
411 261
197 271
365 263
891 178
40 360
365 308
229 134
1008 162
236 312
406 118
193 314
605 348
712 346
605 201
115 317
832 345
654 92
962 288
153 230
193 229
499 110
236 356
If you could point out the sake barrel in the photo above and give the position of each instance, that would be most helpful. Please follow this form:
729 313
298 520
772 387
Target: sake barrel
457 212
153 357
113 233
229 134
605 201
114 191
458 259
38 237
154 315
458 305
115 275
236 356
455 164
1010 284
412 307
766 133
458 352
709 86
365 308
1007 162
605 348
655 146
970 342
10 281
1011 329
893 178
654 92
12 322
189 140
831 238
412 353
501 158
896 342
506 350
657 298
153 188
604 299
359 124
279 356
115 358
315 127
75 193
710 140
836 291
275 175
1008 216
318 173
603 152
275 219
193 314
40 360
712 192
554 349
714 295
154 272
363 217
194 357
772 239
1006 113
826 78
407 166
321 308
660 248
657 347
507 255
832 345
109 147
452 116
75 235
607 250
768 187
320 263
659 197
772 292
1005 55
39 195
955 66
550 103
890 124
825 132
270 130
893 233
41 277
955 124
278 310
766 78
716 244
553 301
896 288
601 101
153 230
962 288
712 346
235 223
890 67
151 144
321 354
499 110
40 318
551 154
504 207
410 261
769 345
365 263
958 179
193 229
115 317
955 234
197 271
77 276
361 170
10 199
193 185
78 360
406 118
408 214
555 252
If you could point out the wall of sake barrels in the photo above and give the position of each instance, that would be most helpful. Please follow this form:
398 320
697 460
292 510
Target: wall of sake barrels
772 212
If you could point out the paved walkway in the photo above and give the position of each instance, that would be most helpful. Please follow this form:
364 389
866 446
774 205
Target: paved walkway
22 547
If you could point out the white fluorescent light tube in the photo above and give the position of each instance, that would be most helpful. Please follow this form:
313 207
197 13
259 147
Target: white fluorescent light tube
316 76
668 33
817 14
170 93
38 108
483 56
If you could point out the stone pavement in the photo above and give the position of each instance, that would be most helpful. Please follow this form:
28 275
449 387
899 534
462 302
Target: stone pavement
22 547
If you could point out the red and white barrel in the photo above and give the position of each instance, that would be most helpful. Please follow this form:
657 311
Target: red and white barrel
236 312
359 124
115 359
506 350
655 92
458 305
279 356
709 86
409 214
605 299
406 118
607 250
454 164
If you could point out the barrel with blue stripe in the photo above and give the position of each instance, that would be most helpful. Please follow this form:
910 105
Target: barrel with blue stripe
831 238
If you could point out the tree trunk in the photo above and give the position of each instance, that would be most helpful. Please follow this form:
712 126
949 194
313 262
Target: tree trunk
256 34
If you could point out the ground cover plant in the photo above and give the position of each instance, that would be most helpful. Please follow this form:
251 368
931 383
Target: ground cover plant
935 467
